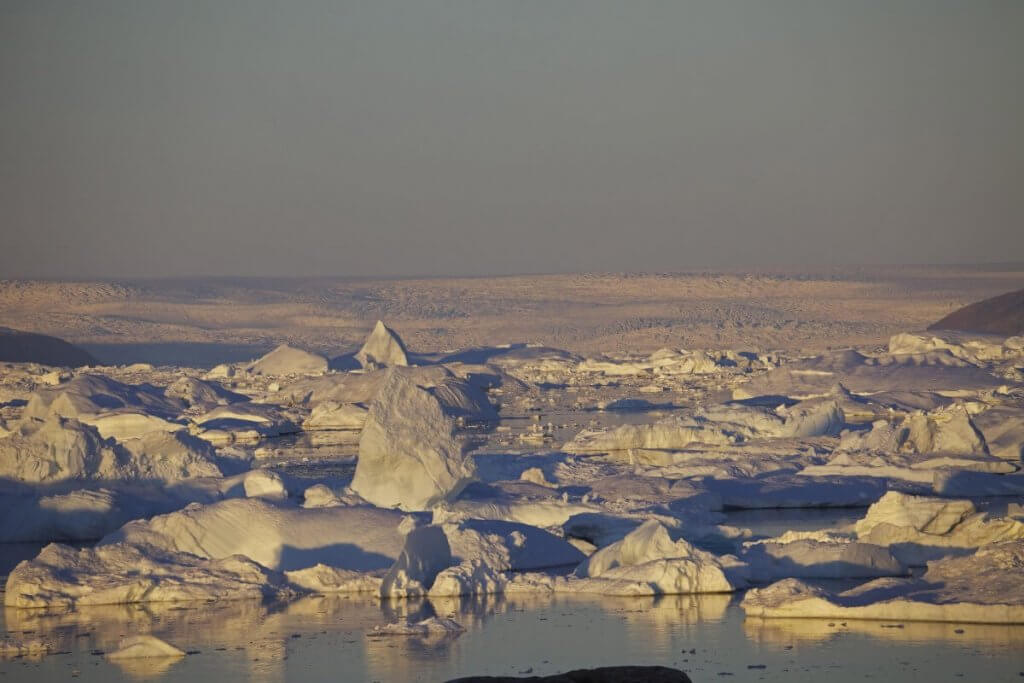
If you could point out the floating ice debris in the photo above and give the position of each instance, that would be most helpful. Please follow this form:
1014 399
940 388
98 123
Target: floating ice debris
134 647
432 627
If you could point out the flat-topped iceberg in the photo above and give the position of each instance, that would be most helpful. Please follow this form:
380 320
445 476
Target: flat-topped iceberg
288 360
919 528
668 434
278 536
986 587
62 576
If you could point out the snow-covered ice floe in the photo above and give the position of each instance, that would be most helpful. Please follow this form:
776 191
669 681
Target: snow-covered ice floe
919 528
986 587
62 576
288 360
278 536
818 558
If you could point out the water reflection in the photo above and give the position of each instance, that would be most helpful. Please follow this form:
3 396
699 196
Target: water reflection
143 668
321 637
815 631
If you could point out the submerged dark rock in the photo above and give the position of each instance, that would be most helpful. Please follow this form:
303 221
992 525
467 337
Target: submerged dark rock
608 674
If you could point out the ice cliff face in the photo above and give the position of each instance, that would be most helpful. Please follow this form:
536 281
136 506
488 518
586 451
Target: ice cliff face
409 457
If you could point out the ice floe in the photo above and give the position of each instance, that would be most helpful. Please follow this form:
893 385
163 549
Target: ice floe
288 360
277 535
985 587
57 449
62 576
919 528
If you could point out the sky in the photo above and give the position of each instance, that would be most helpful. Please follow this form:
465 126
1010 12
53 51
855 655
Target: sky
484 137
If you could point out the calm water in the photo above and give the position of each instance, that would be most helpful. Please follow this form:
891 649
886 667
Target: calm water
185 354
325 638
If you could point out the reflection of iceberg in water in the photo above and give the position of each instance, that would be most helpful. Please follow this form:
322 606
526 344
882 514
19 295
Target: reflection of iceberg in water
266 658
102 626
673 610
658 620
473 611
399 659
145 668
654 622
402 658
255 635
784 632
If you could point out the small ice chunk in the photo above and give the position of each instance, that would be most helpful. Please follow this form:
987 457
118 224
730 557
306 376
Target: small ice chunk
535 475
473 577
134 647
432 627
668 434
948 430
264 484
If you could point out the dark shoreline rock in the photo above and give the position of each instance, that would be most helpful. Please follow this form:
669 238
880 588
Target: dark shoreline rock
608 674
1002 315
28 347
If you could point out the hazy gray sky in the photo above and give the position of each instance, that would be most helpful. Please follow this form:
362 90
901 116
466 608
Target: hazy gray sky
248 137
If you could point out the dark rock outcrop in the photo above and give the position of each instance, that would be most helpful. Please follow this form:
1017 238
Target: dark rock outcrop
28 347
1002 315
608 674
